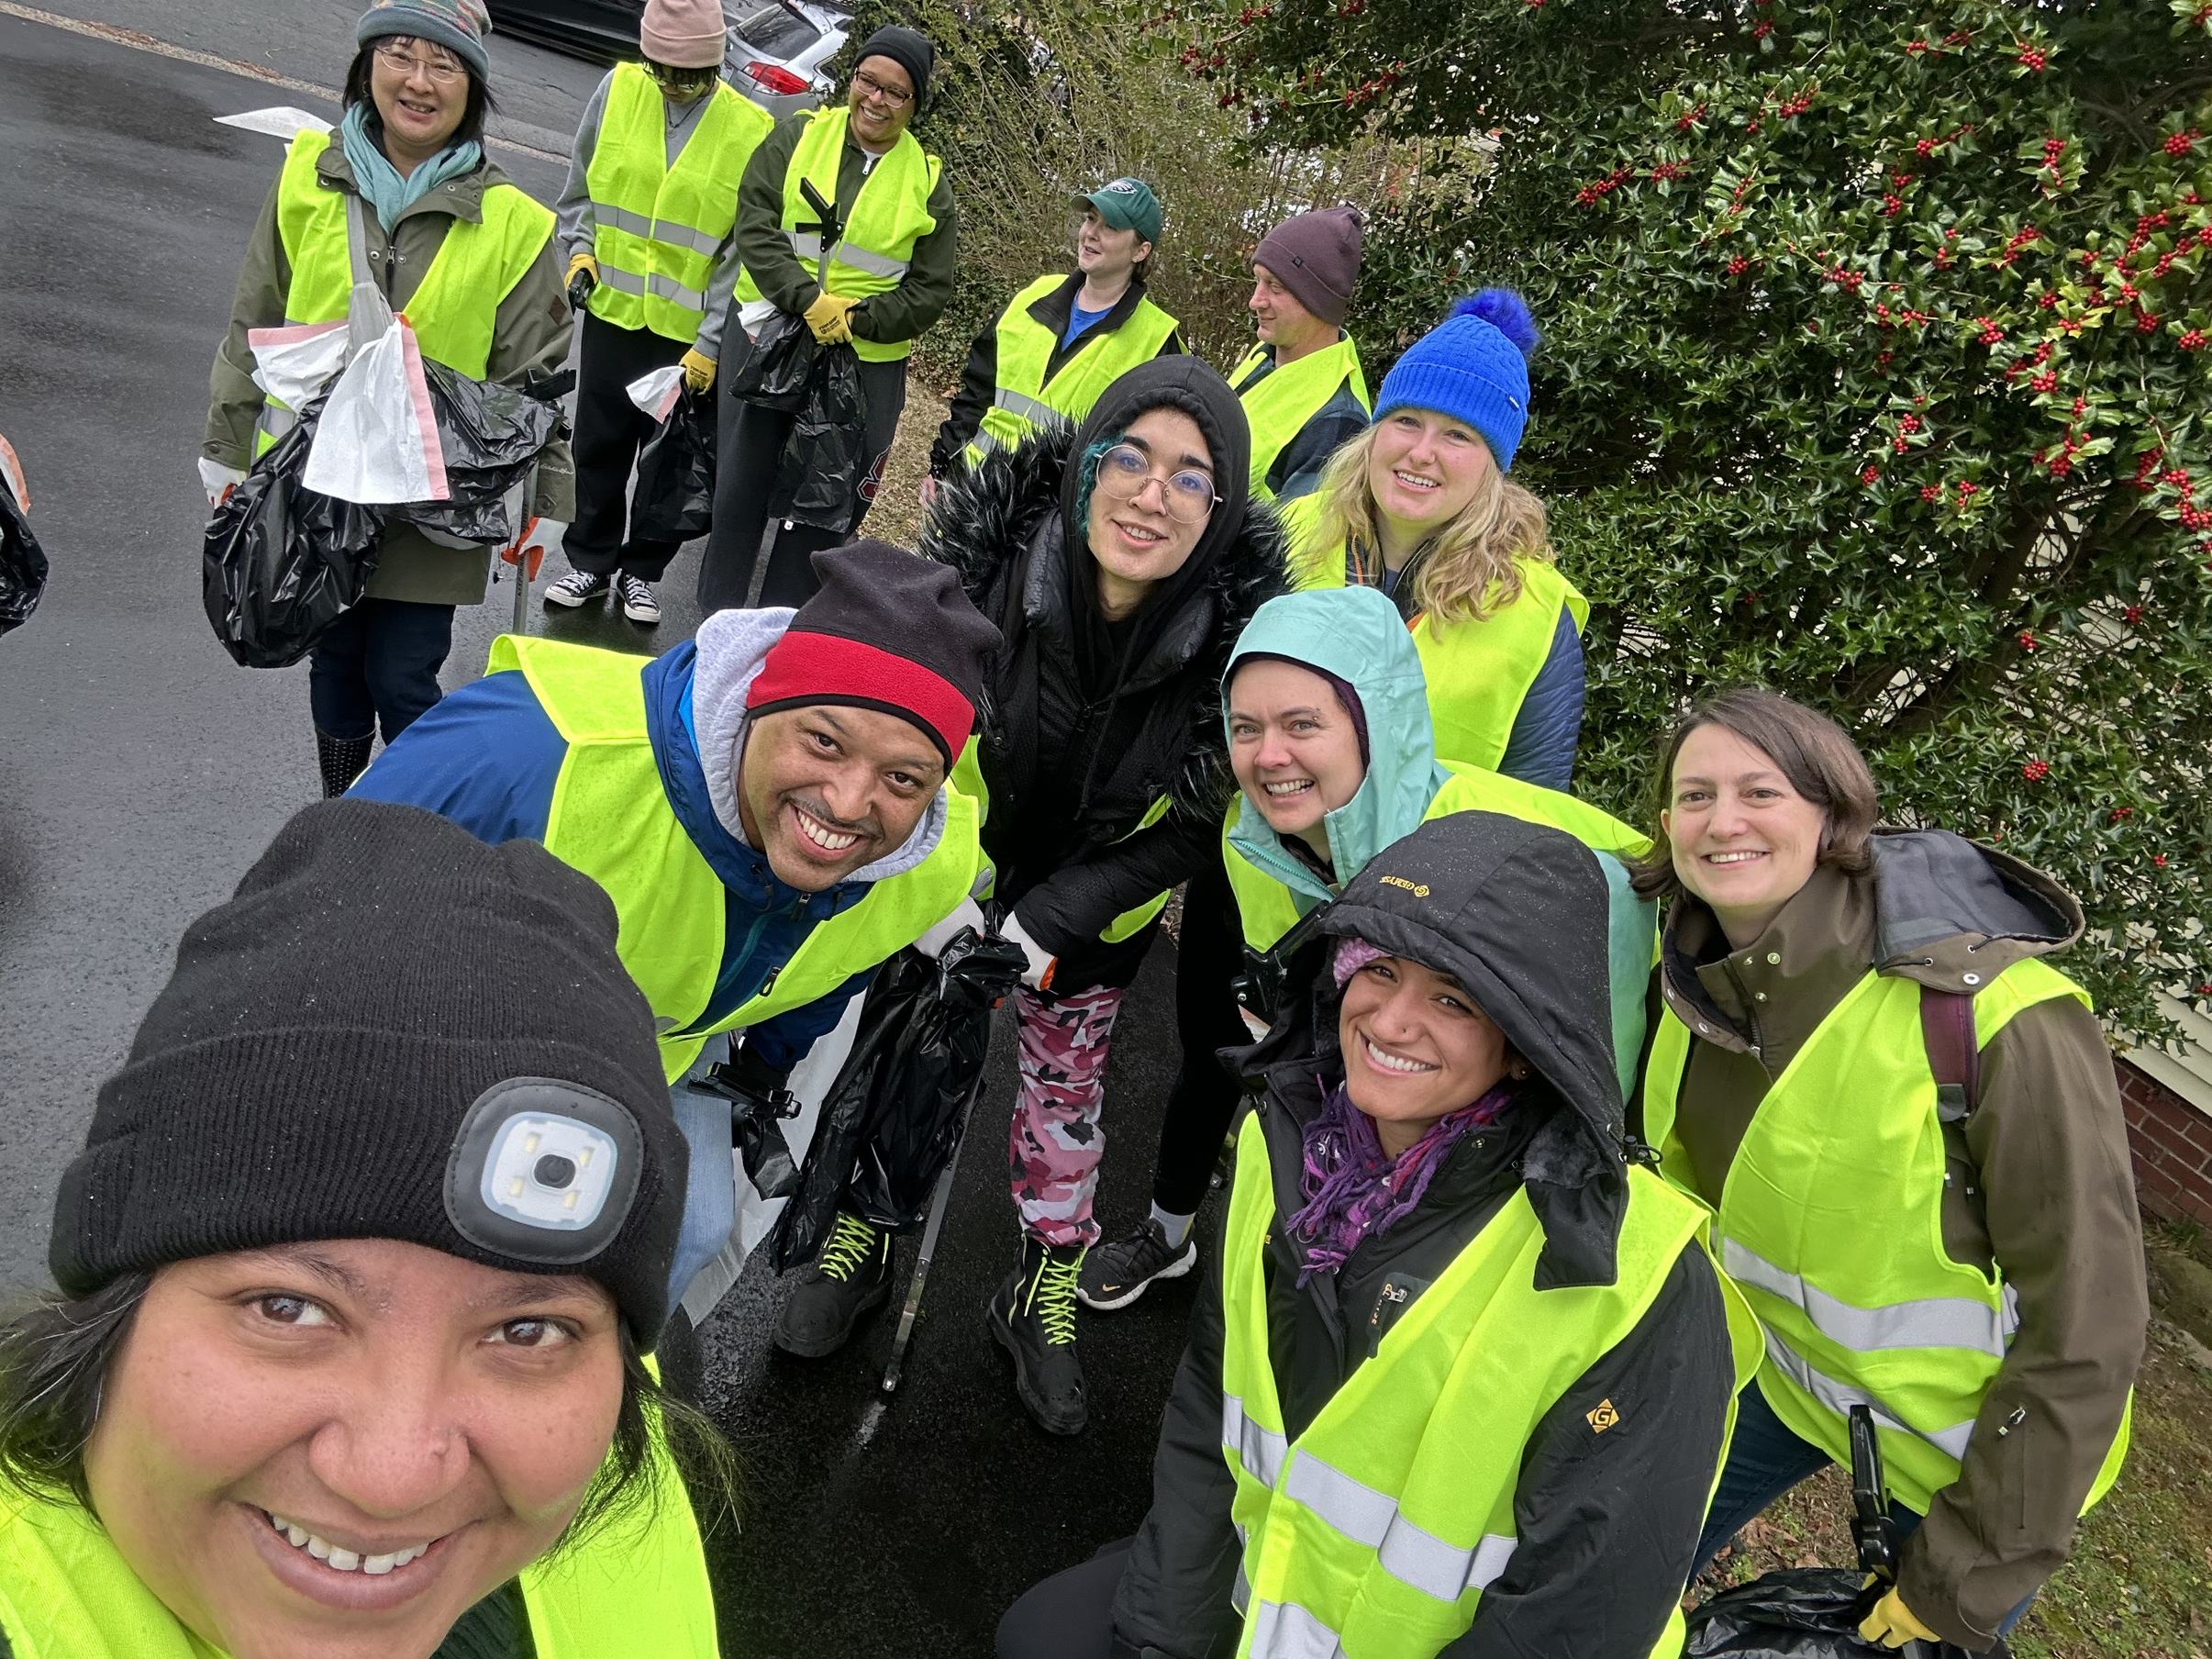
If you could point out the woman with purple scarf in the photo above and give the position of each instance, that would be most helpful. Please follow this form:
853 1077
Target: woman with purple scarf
1464 1373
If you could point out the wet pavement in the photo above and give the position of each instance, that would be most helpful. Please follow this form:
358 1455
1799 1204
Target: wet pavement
141 772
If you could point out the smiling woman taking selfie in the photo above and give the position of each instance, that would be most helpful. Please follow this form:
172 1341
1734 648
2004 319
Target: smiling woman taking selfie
1421 505
448 240
356 1267
1907 1123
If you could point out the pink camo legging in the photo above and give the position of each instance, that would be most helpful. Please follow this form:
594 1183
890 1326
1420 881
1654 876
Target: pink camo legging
1056 1142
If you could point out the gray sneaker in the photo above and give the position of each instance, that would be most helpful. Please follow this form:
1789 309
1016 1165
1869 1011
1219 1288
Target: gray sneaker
1116 1273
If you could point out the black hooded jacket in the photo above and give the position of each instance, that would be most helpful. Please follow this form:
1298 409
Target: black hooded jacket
1091 722
1609 1508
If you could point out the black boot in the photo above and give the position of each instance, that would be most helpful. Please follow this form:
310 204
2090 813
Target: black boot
1033 1317
343 761
850 1278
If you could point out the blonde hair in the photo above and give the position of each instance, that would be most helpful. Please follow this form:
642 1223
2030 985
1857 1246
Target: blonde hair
1466 569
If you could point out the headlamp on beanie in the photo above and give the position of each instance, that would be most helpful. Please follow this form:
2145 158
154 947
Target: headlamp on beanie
543 1171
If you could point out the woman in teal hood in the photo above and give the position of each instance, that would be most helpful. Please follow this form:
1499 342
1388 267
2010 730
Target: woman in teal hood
1329 737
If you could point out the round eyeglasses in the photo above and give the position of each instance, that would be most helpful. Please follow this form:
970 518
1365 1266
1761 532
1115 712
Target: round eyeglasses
1125 470
442 71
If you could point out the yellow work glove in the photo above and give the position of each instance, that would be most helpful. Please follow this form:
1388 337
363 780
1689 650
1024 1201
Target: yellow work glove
581 262
1892 1623
698 370
830 318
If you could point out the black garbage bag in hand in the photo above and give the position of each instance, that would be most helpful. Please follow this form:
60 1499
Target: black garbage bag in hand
818 478
674 500
490 435
893 1116
777 364
22 562
280 562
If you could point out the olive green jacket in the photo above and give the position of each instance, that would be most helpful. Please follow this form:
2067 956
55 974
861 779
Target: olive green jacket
529 334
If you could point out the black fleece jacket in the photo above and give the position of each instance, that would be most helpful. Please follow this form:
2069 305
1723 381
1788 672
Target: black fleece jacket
1072 771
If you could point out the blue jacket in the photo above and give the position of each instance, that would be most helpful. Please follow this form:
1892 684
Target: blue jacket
487 756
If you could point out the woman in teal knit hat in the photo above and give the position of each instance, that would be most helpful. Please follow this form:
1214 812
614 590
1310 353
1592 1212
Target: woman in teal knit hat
1423 505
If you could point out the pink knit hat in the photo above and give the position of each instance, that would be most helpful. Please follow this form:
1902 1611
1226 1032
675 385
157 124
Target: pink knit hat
683 34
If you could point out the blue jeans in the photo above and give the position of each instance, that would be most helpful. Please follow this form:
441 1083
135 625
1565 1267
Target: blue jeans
710 1194
1767 1458
378 663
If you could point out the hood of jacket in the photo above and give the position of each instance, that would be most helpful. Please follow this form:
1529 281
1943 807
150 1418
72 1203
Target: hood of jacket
1001 525
1355 634
1517 913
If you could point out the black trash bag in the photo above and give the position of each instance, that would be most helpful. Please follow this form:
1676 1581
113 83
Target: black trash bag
777 366
22 562
490 435
1800 1613
756 1129
893 1116
818 478
280 562
674 500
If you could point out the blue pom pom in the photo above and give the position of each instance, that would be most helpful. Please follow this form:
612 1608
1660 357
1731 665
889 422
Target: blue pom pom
1504 310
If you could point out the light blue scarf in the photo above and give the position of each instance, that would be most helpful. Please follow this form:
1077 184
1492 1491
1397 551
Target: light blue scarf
380 183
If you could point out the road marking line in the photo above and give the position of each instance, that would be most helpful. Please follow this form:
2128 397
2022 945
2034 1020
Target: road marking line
139 41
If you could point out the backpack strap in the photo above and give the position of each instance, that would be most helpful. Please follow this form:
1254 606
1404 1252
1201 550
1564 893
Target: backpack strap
1955 1053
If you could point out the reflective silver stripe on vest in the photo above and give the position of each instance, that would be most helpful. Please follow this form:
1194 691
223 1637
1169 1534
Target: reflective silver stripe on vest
1260 1450
1240 1593
1410 1554
675 234
1032 409
1936 1322
1839 1397
1284 1629
662 287
809 246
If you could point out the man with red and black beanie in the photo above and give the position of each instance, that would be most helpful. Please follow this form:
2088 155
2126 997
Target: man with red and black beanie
768 805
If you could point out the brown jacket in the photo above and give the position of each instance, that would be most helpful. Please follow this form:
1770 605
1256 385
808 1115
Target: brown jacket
2043 1182
529 333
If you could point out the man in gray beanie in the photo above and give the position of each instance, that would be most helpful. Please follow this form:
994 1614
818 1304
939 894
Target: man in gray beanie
1302 388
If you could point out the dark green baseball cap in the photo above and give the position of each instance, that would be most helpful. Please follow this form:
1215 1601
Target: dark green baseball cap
1128 204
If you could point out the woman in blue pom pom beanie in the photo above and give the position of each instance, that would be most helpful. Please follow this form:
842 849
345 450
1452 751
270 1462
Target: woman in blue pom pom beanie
1422 505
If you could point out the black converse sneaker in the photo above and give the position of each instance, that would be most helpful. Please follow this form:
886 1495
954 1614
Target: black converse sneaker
637 599
1116 1273
578 587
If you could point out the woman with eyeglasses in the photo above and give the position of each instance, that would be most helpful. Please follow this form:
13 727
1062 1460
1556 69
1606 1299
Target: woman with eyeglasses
1120 562
469 258
873 281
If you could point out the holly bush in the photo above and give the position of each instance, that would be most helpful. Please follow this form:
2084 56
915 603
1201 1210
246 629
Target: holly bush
1875 371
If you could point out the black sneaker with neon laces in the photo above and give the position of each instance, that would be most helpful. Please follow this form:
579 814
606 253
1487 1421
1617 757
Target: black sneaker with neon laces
1116 1273
1033 1317
850 1279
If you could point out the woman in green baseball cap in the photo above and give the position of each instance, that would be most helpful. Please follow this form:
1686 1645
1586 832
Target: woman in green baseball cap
1062 340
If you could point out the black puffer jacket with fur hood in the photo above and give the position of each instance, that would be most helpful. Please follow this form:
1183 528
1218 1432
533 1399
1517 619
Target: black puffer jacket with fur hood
1089 726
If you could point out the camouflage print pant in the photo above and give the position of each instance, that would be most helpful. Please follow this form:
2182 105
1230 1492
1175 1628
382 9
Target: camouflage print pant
1056 1142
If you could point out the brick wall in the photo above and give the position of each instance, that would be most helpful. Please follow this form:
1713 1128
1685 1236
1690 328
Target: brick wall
2173 1145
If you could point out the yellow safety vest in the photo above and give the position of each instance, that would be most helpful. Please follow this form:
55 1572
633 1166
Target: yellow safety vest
1279 407
1479 672
1025 399
611 818
453 308
891 214
1374 1534
638 1586
968 779
657 227
1831 1222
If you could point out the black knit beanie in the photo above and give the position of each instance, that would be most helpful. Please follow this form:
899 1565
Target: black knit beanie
391 1030
907 47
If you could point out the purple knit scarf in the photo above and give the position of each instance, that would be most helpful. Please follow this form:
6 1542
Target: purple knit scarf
1352 1188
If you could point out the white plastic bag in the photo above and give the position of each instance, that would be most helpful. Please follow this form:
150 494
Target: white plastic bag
656 392
293 363
376 443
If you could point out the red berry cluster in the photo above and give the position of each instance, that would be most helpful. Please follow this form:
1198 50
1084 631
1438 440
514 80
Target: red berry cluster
1253 14
1738 265
2028 638
2181 143
1844 277
2194 341
1931 492
1872 475
1691 119
1592 194
2118 813
1368 91
2036 770
2025 235
2034 59
2147 465
1670 169
1765 27
1988 332
2134 614
1791 108
1925 148
1968 490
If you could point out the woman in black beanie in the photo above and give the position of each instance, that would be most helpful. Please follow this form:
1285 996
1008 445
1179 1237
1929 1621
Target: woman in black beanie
356 1271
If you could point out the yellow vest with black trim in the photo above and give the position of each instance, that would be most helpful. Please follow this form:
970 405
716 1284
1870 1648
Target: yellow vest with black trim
882 225
968 778
637 1587
1832 1223
657 227
1279 407
454 306
1268 909
1374 1534
1024 397
611 818
1479 672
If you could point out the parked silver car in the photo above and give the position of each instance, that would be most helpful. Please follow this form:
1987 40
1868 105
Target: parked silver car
777 48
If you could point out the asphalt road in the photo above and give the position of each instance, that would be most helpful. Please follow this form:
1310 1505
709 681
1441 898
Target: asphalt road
141 773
